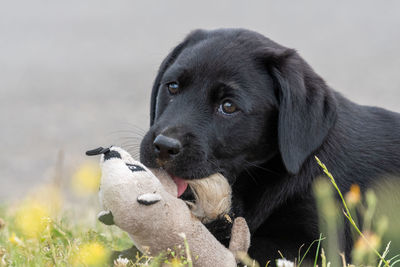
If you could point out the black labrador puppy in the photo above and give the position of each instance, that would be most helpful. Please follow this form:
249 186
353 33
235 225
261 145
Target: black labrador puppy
235 102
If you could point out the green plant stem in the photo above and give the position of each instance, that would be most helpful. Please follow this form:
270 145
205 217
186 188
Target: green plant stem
316 254
187 250
51 244
347 211
308 249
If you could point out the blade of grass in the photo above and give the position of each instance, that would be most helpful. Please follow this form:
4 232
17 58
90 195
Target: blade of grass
347 212
384 254
323 258
398 255
329 218
316 254
187 250
309 247
395 262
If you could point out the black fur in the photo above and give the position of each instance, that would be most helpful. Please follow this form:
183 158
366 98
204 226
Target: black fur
287 114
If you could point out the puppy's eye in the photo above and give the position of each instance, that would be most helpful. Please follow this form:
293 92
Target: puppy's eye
227 107
173 88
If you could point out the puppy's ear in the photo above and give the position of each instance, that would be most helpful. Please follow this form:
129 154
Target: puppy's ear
307 107
168 61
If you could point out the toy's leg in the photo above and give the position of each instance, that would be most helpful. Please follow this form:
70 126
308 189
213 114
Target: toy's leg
240 236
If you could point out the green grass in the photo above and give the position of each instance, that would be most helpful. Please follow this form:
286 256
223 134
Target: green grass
369 239
73 237
46 229
59 243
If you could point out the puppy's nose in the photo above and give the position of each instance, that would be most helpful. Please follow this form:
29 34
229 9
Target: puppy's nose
166 147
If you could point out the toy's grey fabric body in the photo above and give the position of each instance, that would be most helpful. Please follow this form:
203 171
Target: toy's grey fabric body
146 207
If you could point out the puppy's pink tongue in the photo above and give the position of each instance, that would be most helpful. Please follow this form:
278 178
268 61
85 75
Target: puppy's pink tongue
181 184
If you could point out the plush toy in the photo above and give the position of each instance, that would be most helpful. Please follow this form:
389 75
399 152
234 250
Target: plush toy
147 208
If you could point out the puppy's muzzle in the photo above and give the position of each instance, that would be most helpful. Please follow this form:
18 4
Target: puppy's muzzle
166 147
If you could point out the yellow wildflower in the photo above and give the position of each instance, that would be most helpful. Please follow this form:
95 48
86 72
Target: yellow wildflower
90 254
362 249
14 239
175 262
354 195
31 218
86 179
373 239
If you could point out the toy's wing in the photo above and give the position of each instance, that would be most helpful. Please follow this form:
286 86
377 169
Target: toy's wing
106 217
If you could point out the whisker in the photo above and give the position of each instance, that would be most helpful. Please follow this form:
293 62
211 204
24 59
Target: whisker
261 168
130 143
218 168
251 176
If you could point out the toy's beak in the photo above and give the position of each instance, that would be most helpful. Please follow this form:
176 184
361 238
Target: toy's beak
97 151
107 152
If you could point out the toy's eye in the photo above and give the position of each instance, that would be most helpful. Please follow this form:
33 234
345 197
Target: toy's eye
149 198
173 88
227 107
135 168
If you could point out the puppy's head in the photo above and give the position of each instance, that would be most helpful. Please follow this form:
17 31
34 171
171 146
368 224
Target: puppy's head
227 100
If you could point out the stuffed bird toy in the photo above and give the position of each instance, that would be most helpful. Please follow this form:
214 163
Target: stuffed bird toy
146 206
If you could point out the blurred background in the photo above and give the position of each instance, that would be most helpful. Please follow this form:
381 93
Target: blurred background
75 75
